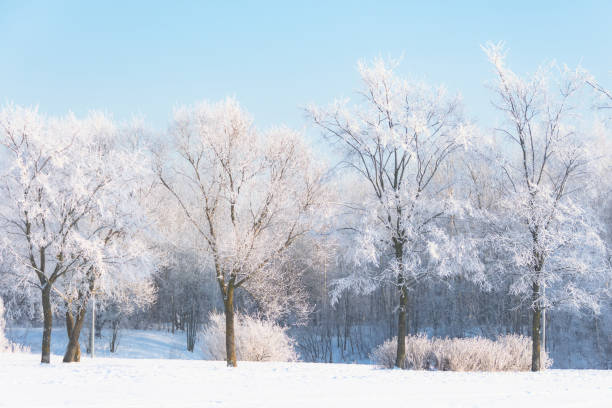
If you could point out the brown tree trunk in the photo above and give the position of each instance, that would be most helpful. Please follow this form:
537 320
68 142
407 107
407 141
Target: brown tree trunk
230 344
69 322
114 343
535 329
70 325
73 350
173 315
400 359
47 324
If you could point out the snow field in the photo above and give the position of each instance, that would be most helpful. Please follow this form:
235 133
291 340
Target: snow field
105 382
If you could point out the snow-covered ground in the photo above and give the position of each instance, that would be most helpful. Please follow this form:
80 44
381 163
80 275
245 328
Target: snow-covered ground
115 382
153 369
132 343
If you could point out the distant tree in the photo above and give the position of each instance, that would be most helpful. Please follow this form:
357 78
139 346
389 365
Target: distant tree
3 340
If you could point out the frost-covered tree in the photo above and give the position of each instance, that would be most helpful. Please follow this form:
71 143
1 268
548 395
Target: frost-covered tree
68 211
546 235
398 140
117 267
246 197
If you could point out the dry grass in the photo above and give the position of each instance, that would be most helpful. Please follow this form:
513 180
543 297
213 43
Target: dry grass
506 353
256 339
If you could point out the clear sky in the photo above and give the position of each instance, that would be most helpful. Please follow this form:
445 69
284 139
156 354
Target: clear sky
145 57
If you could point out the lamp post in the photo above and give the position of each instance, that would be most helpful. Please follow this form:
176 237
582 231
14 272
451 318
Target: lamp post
544 322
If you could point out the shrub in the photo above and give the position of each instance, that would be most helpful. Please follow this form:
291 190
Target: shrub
506 353
256 339
384 354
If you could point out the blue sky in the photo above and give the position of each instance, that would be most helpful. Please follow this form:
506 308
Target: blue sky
144 57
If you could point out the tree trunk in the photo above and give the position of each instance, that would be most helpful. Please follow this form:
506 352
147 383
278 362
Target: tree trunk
173 315
114 341
535 329
400 359
191 329
69 329
69 322
230 344
73 350
47 324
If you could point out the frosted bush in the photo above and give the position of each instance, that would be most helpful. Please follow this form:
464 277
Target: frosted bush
418 353
256 339
384 354
5 344
506 353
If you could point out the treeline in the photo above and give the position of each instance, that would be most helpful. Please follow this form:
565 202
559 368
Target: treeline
422 222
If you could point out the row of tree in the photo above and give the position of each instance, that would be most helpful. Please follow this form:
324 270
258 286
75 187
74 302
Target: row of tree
420 197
